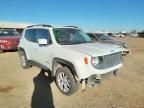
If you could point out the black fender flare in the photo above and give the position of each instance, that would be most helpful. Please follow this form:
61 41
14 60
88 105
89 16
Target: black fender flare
66 63
21 49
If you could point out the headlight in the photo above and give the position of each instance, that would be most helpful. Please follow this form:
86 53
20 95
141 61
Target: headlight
95 61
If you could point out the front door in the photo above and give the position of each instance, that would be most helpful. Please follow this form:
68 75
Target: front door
43 53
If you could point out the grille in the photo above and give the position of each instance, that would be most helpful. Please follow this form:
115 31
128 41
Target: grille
110 60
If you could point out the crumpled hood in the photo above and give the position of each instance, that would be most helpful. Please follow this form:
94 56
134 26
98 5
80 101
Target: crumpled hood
116 42
94 49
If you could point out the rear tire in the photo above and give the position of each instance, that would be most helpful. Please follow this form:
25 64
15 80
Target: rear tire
65 81
1 51
23 60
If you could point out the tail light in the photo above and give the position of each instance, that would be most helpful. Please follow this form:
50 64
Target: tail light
5 43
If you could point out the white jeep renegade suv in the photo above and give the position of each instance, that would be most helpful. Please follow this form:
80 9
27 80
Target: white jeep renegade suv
70 55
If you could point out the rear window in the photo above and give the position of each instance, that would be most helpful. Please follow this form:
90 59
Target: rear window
8 33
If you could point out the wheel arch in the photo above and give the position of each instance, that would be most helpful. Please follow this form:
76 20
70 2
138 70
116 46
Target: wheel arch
20 49
58 62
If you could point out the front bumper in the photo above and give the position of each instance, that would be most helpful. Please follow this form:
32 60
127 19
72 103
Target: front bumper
89 71
94 80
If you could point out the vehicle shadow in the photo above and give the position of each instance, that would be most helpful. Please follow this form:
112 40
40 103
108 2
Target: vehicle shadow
1 51
42 94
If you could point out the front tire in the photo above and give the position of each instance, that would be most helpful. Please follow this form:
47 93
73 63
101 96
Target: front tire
23 60
65 81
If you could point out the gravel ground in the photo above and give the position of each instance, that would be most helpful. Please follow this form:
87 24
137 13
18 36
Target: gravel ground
21 88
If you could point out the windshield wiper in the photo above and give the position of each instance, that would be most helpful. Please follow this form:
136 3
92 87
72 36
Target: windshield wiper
76 43
64 43
90 42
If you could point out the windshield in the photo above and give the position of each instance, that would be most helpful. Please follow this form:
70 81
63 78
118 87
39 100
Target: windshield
67 36
8 33
103 37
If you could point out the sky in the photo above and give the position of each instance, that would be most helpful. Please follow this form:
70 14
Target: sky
91 15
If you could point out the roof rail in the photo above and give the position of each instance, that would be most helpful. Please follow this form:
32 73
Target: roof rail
71 26
43 25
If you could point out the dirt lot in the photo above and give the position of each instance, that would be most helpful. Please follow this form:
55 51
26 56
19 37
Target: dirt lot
21 88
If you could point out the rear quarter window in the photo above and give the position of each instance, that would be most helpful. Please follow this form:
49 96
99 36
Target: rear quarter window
30 35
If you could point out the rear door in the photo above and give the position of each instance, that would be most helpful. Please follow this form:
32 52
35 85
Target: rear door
30 43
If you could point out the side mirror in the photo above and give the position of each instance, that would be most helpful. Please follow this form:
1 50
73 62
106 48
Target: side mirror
42 41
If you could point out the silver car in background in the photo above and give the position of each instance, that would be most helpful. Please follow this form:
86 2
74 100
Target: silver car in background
106 39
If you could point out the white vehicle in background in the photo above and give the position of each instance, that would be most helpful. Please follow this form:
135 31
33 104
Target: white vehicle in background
118 35
70 54
134 35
